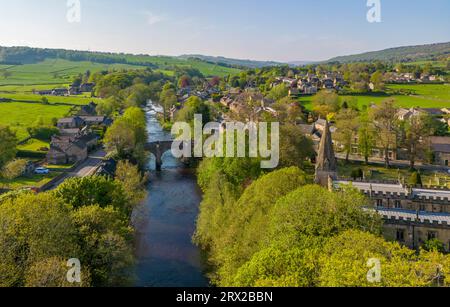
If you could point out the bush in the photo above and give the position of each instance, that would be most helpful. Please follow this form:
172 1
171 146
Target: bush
415 179
357 174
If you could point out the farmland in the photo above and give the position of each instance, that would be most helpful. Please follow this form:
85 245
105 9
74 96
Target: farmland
19 116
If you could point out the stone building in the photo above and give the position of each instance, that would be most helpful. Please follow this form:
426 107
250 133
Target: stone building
411 215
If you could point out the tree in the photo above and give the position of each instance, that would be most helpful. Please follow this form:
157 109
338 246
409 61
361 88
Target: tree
295 147
415 179
278 92
34 228
168 99
8 145
120 139
52 272
434 245
184 81
96 190
378 81
347 125
366 137
106 244
384 120
134 184
44 100
325 103
416 130
14 169
194 105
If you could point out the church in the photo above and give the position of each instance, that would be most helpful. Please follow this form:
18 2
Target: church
411 215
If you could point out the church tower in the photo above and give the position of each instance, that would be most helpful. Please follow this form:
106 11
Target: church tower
326 165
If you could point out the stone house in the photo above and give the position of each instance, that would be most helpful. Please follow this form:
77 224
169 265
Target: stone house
67 150
70 123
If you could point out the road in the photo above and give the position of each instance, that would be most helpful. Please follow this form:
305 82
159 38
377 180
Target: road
87 168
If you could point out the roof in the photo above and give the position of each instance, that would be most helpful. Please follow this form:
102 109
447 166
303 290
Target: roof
386 188
400 214
440 144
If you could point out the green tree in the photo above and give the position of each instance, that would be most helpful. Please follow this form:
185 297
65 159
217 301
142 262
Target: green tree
34 228
377 79
347 125
385 122
295 147
278 92
167 99
8 145
134 184
96 190
14 169
106 244
325 103
366 137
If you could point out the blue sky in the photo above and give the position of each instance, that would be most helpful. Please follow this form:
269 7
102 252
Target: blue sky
286 30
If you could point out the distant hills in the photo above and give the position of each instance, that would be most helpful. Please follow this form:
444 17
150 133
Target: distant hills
232 62
400 54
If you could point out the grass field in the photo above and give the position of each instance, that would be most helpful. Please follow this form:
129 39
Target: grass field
33 145
20 115
53 71
69 100
424 96
58 71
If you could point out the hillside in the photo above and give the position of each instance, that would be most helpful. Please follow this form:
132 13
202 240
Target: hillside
26 56
400 54
223 61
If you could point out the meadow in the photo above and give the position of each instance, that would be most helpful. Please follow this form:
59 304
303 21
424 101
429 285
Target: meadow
423 96
19 115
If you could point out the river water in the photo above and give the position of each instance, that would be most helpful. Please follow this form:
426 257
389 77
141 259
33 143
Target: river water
165 223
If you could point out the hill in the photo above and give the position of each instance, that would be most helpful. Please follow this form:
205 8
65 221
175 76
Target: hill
400 54
26 56
237 63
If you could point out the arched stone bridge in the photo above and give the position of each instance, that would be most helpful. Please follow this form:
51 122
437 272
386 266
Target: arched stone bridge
158 149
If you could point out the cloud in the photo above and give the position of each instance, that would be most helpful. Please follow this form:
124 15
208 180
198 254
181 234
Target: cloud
153 19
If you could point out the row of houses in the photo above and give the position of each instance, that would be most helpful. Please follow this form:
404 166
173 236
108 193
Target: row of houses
76 138
412 78
310 84
72 90
250 103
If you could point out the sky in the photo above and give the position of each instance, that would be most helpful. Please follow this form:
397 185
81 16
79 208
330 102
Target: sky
289 30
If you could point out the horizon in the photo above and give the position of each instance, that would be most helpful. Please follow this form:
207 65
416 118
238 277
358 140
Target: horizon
270 33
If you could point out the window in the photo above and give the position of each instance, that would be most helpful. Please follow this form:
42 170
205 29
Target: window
400 235
379 203
432 235
398 204
422 208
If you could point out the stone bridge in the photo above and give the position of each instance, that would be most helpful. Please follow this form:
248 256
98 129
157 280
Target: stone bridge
158 149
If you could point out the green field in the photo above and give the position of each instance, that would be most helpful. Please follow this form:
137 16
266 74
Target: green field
423 96
53 71
69 100
33 145
20 115
57 71
35 181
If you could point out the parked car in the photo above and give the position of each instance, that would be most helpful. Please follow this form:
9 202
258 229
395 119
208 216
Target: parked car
41 170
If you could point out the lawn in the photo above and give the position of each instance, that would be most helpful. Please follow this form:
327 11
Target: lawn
33 145
20 115
35 181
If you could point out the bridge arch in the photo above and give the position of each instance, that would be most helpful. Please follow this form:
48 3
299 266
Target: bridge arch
158 149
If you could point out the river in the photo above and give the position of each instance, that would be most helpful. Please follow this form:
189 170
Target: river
165 223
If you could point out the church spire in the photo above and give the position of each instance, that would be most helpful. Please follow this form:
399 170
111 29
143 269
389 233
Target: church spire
326 165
